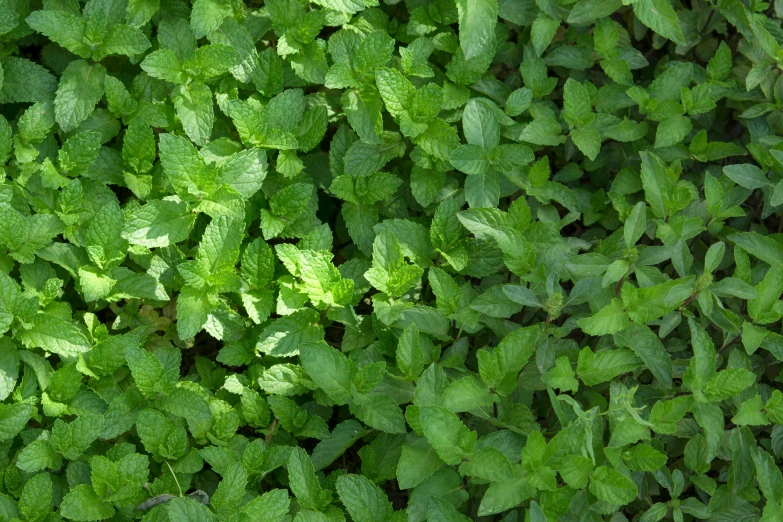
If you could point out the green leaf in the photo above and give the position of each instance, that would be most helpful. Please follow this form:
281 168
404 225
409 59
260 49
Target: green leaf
55 335
81 503
207 16
635 225
593 368
588 141
184 508
80 89
746 175
417 463
610 319
329 369
644 458
182 165
119 480
483 190
397 92
380 412
63 28
488 464
343 436
441 510
35 502
13 418
760 246
577 109
750 414
659 16
480 124
303 481
646 345
105 244
518 101
672 130
9 368
466 394
470 159
37 455
477 19
193 104
653 181
159 223
365 501
542 32
218 249
26 81
147 370
229 493
719 65
193 308
561 376
409 355
139 12
390 273
575 470
165 65
283 337
665 414
122 39
612 487
727 383
501 496
272 506
769 290
451 439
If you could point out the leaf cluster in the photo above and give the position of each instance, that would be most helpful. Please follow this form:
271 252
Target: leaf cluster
387 261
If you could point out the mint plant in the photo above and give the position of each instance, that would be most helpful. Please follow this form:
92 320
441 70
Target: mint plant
391 261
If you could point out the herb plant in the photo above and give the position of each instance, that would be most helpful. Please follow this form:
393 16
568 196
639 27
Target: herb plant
391 261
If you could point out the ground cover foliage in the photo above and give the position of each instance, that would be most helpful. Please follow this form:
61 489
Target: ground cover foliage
412 260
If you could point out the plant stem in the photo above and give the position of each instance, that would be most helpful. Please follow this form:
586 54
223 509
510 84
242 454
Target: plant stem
175 477
727 344
619 286
270 434
688 301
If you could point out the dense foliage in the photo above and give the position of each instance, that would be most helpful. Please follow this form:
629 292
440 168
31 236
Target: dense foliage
418 260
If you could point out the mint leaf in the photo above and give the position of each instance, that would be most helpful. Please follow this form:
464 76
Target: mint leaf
81 503
80 89
364 500
477 25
